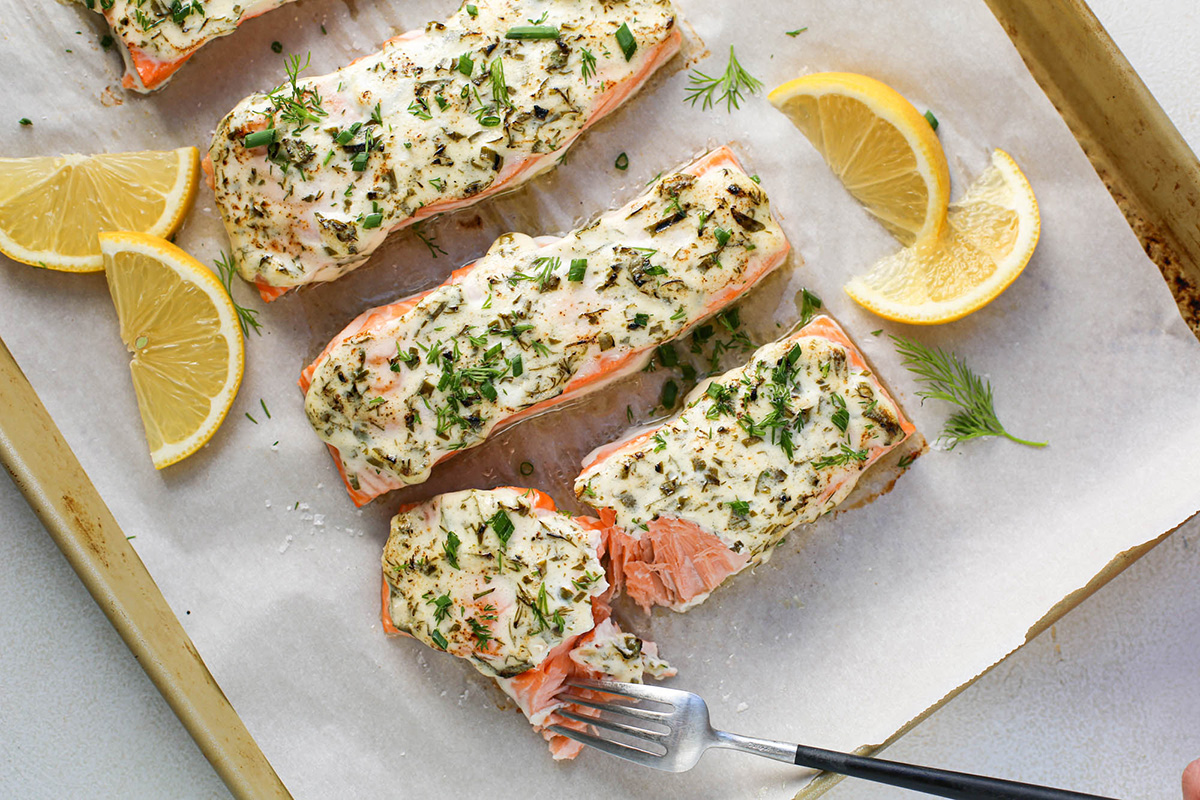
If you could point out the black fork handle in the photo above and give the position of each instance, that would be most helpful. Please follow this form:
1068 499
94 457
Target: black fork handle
942 783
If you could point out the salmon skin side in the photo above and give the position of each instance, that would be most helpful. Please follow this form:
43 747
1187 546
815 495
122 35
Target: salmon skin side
529 325
156 39
755 452
438 119
500 578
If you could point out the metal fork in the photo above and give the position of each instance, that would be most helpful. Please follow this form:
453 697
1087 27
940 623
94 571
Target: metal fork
673 740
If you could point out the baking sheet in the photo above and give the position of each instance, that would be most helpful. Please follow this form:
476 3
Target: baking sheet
858 624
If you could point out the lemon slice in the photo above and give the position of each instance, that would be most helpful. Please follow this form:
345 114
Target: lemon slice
51 208
884 151
183 332
990 236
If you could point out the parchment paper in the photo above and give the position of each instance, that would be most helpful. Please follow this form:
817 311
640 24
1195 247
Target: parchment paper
859 623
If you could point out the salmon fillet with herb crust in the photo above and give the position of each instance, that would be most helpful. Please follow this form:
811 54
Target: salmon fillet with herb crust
501 579
157 37
311 177
532 324
755 452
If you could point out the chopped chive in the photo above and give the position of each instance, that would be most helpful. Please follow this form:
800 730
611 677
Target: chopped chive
472 10
500 521
933 122
450 547
667 355
252 140
796 32
739 507
276 47
578 270
640 320
106 41
622 162
372 221
626 41
439 639
526 468
629 414
756 179
489 122
518 366
359 164
488 390
252 419
670 393
524 32
877 332
722 236
266 410
323 31
375 401
466 65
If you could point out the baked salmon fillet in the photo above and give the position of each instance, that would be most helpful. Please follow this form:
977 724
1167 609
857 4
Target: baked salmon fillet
755 452
532 324
501 579
156 38
311 178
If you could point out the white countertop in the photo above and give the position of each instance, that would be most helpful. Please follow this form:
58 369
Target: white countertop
1107 701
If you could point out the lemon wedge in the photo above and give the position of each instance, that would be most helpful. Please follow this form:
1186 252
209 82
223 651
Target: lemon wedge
183 332
884 151
990 236
51 208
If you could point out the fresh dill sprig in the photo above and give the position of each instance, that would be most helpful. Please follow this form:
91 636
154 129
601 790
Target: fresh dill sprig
297 105
429 240
846 455
247 317
499 88
731 84
949 378
542 274
588 65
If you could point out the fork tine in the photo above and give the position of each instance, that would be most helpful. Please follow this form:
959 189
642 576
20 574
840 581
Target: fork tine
629 711
628 730
634 691
627 752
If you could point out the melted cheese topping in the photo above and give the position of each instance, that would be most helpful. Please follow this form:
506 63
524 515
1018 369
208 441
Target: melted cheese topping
756 451
488 577
527 321
432 122
620 656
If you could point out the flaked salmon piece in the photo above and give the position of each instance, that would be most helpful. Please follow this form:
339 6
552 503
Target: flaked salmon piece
532 324
673 563
500 578
755 452
157 38
311 177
